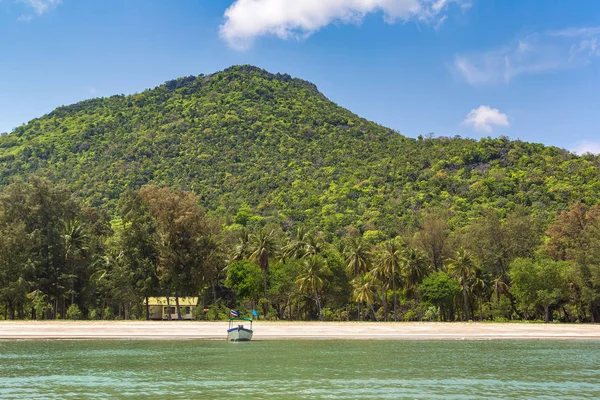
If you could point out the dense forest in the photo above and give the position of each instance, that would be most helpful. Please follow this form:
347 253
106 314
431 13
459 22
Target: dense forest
252 189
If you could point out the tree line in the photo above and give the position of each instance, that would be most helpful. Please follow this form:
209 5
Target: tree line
62 259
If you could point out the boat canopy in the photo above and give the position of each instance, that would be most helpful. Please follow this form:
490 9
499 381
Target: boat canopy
240 319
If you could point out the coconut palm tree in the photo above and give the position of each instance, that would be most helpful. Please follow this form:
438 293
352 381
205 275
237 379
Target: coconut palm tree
241 250
75 244
358 259
314 243
358 256
364 291
302 244
263 245
414 269
479 289
380 276
311 279
296 245
390 259
499 288
463 268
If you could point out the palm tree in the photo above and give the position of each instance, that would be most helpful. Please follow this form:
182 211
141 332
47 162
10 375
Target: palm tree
101 278
414 268
390 259
311 279
295 248
358 256
314 243
242 247
499 288
364 291
302 244
263 245
75 242
479 289
358 259
379 275
463 268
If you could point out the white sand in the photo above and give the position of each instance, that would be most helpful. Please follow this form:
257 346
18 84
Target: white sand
294 330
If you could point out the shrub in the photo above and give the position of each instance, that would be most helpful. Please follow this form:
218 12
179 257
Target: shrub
94 314
73 312
108 314
432 314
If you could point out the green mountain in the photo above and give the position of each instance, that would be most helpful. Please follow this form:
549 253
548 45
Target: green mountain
255 145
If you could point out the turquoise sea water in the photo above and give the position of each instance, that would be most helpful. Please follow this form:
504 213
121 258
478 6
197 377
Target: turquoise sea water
300 369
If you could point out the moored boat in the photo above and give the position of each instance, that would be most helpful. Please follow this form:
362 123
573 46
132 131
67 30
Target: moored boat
239 333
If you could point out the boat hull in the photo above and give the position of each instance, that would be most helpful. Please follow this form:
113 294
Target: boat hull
239 334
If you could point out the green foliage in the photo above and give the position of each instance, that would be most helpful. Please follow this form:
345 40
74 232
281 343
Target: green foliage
108 314
432 313
440 290
73 312
250 186
539 283
246 279
258 147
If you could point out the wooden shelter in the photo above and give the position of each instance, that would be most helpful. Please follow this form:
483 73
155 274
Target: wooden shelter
161 307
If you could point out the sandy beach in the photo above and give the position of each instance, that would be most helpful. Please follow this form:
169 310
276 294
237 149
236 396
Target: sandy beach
148 330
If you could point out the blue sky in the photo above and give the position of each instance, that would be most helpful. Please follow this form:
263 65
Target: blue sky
525 69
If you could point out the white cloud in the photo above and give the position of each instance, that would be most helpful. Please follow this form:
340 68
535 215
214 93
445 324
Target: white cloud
586 146
576 32
535 53
485 118
246 20
38 7
440 22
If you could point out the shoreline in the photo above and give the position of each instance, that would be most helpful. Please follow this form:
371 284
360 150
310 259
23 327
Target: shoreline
283 330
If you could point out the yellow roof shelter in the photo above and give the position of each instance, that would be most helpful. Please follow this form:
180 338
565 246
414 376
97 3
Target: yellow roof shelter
162 301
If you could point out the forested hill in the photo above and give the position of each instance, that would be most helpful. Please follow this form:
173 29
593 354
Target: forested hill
260 146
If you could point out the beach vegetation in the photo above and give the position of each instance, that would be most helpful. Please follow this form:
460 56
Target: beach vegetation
253 191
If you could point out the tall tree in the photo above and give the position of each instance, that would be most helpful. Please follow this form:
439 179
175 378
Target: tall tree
138 242
575 237
14 267
390 258
487 240
364 291
241 248
539 283
496 242
182 231
75 246
439 289
414 270
311 280
358 259
464 269
263 246
358 256
42 208
433 237
245 278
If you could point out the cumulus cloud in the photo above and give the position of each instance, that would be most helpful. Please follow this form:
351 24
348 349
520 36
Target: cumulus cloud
485 118
531 54
246 20
37 8
586 146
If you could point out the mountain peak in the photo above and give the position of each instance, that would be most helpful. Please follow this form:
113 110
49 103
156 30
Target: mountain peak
238 71
248 137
